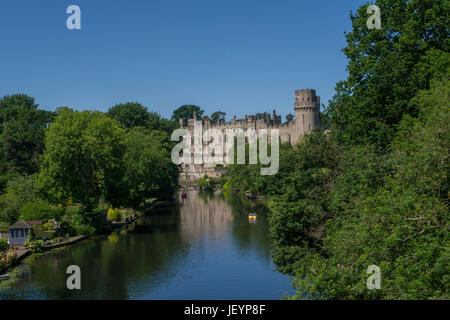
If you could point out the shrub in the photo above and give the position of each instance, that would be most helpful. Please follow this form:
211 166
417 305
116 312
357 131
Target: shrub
19 191
206 184
34 245
12 259
84 229
71 210
113 214
3 246
40 233
40 210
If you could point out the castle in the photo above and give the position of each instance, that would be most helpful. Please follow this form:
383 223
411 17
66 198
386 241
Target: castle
306 107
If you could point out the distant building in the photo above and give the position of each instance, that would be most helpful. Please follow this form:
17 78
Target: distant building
19 232
306 107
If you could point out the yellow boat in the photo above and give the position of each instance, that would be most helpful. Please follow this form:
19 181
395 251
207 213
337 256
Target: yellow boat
252 216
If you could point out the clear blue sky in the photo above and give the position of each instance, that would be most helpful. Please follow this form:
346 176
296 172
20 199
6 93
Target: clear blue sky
240 57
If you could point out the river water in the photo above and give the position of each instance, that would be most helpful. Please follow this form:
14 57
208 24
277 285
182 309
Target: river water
202 248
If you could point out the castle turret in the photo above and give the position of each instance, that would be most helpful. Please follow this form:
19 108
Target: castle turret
307 106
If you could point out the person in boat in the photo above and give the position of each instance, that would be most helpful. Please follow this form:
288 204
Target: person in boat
252 215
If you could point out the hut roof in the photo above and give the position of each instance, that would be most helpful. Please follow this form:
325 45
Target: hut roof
33 222
20 225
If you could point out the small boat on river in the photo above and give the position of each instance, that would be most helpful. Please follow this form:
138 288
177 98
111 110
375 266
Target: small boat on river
252 216
4 277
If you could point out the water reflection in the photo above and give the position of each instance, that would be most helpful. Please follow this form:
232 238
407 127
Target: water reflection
202 248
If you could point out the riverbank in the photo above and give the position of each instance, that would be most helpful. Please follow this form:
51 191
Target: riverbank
21 253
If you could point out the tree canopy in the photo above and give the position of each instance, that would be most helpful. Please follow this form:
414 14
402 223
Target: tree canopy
82 158
130 114
187 112
218 117
387 66
22 127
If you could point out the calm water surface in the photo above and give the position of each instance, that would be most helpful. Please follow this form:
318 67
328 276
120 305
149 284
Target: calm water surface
202 248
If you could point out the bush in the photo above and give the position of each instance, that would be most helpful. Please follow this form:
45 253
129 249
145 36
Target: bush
12 259
3 246
19 191
206 184
40 210
113 214
34 245
84 229
71 210
40 233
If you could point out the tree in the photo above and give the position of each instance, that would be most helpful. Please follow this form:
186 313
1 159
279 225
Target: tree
22 128
156 122
82 159
262 116
218 117
40 210
3 247
387 67
149 171
186 112
130 114
19 191
289 117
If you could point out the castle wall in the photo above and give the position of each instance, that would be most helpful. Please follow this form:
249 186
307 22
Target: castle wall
306 106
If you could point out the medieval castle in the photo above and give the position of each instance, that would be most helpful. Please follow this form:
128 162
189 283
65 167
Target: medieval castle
306 106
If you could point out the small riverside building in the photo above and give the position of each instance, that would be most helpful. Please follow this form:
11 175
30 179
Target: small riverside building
19 232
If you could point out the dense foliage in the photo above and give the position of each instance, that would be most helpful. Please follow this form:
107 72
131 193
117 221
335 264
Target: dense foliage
22 127
388 66
149 171
186 112
73 166
132 115
375 189
82 158
19 191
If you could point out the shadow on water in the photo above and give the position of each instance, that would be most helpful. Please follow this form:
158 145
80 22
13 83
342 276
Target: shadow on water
202 248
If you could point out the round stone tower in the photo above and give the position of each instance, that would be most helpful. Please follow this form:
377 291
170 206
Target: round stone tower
307 106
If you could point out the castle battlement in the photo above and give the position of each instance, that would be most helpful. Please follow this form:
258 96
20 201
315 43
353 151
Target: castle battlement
306 98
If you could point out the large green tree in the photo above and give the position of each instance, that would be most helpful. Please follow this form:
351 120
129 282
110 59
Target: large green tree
22 127
82 158
130 114
388 66
390 211
149 171
19 191
156 122
187 112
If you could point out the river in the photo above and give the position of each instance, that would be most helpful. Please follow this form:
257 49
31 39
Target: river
202 248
